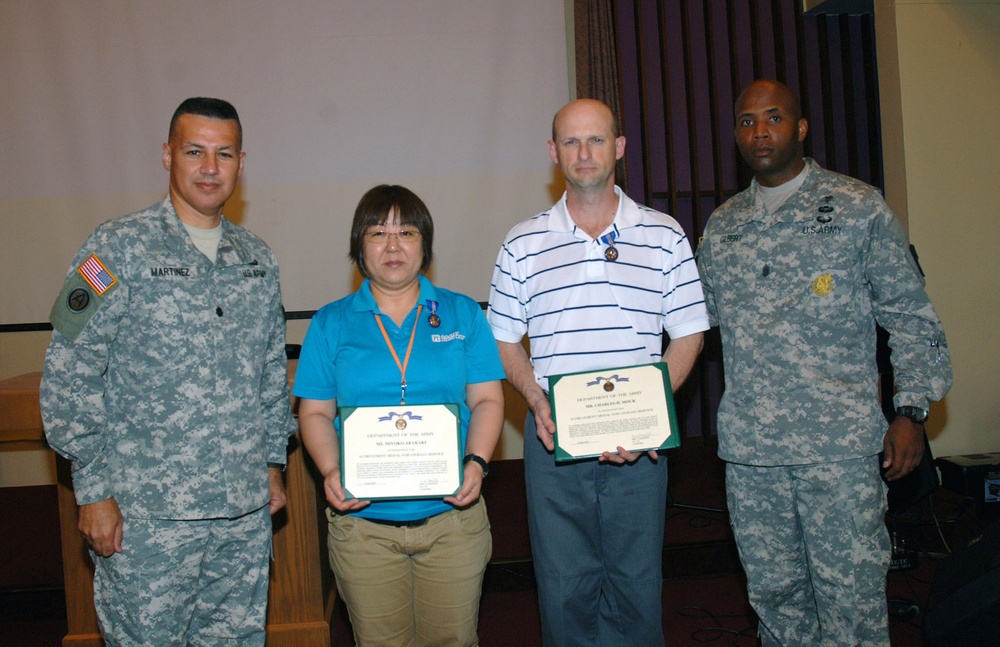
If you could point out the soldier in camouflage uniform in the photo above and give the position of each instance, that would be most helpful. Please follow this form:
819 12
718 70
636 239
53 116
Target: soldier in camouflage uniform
165 385
797 270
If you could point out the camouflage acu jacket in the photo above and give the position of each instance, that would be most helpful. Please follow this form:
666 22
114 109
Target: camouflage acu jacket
796 295
165 380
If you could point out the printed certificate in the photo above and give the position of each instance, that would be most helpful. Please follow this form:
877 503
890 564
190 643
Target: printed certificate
401 452
630 407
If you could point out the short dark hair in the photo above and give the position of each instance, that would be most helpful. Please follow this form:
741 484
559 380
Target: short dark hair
374 210
206 107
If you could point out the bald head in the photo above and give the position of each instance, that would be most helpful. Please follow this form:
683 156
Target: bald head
586 145
588 107
770 130
775 92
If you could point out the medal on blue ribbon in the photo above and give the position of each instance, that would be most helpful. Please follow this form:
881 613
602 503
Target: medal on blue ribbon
433 319
611 253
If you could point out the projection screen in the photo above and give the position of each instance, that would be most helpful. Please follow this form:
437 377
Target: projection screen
452 98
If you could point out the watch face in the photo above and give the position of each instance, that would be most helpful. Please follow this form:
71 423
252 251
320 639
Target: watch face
916 414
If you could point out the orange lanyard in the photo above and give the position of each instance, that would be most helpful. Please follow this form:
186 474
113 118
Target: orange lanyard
406 362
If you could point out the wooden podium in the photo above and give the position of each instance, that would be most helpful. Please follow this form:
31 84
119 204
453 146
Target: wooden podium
302 591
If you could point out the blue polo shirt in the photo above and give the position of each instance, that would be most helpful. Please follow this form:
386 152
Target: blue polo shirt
345 357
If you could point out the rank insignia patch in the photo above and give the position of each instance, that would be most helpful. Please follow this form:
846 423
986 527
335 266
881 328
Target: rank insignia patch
95 274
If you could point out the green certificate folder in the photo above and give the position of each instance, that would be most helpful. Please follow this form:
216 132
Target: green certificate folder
598 411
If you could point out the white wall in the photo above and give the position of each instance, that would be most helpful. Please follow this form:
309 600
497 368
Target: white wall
452 98
939 70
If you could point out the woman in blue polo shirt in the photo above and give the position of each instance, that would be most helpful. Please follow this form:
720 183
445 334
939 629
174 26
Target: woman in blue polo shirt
409 569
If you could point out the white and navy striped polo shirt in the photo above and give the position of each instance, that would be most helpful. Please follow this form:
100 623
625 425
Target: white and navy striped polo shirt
583 312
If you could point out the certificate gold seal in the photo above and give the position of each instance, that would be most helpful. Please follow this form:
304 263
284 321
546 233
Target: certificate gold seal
401 423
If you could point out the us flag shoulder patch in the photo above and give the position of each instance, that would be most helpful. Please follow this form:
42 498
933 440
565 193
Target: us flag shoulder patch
98 276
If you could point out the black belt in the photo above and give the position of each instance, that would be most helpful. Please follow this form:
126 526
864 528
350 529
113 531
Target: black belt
399 524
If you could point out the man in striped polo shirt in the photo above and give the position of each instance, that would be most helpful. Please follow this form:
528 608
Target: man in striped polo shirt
594 282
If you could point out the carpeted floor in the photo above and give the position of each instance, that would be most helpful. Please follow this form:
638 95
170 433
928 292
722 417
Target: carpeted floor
704 596
704 593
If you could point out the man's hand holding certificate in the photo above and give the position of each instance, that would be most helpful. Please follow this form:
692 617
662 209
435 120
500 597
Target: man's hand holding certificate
596 412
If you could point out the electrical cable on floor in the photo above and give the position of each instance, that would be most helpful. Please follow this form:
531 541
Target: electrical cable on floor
686 506
698 520
740 638
937 523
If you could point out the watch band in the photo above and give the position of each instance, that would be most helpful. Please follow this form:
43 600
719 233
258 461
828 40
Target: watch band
916 414
478 459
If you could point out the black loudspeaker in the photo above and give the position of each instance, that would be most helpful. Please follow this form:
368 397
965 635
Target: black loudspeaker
963 609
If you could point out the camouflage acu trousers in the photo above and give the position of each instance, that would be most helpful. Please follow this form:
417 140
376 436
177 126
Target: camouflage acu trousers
813 542
201 582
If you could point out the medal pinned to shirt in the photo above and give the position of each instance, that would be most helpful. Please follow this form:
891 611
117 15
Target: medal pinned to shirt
433 319
611 253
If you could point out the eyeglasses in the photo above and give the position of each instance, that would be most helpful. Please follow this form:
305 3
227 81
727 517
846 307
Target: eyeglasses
403 236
